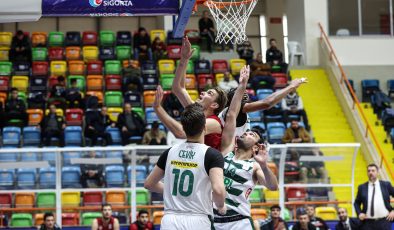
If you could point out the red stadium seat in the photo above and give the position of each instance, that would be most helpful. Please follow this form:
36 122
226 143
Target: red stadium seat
113 82
280 80
193 36
174 51
5 200
296 194
70 219
89 38
4 83
92 198
94 67
56 53
52 81
203 79
219 66
74 117
40 68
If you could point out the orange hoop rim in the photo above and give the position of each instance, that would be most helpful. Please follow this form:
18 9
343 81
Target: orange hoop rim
223 4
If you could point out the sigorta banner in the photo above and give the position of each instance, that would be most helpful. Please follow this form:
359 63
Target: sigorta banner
108 7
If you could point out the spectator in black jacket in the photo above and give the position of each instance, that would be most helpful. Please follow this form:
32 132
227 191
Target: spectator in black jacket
245 51
58 93
96 123
274 56
142 45
52 126
20 47
316 221
273 222
91 174
130 124
205 24
345 222
74 95
49 222
15 108
303 222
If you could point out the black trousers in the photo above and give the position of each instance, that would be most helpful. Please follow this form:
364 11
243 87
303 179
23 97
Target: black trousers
53 133
300 113
94 135
381 224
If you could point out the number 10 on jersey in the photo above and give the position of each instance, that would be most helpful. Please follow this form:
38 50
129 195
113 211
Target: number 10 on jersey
179 182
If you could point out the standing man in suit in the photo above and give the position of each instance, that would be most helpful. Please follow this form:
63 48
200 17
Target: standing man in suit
345 222
374 196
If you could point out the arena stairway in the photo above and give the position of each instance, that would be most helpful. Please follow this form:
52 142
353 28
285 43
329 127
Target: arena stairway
329 125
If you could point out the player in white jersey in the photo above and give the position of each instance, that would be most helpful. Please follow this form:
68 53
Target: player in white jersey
193 177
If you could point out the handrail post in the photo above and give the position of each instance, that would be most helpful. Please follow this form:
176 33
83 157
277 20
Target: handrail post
366 131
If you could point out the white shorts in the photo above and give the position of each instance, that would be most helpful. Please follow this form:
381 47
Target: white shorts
185 222
244 224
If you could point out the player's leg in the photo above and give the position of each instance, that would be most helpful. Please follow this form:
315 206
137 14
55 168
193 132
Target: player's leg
182 222
244 224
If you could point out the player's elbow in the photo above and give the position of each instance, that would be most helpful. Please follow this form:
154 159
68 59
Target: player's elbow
148 185
273 187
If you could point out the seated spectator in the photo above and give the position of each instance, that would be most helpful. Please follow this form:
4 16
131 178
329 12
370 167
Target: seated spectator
92 174
15 108
313 170
303 222
292 105
49 222
58 93
314 220
274 222
345 222
296 134
259 68
154 136
143 222
274 56
52 126
74 95
207 30
130 124
96 123
159 49
245 51
132 80
142 45
227 82
20 48
173 106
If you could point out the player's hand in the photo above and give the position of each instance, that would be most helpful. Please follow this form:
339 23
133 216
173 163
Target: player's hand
261 156
297 82
186 51
158 97
222 211
390 217
244 75
362 216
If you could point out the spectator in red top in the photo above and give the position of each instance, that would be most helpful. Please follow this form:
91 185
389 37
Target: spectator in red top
107 221
142 222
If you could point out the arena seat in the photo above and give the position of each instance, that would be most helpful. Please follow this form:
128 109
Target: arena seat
275 130
174 51
11 136
88 217
49 156
157 33
71 177
55 53
327 213
92 198
142 196
149 97
22 68
107 53
29 156
73 136
4 84
70 219
20 82
190 81
296 194
189 67
6 39
271 195
192 35
123 52
114 176
71 198
58 68
113 82
134 98
107 38
47 177
21 220
141 174
150 81
167 81
258 214
74 117
280 80
390 87
89 38
46 199
203 80
263 93
5 68
113 99
150 115
255 116
97 94
219 66
196 53
38 219
59 112
4 54
123 38
56 38
115 134
5 198
90 53
255 196
94 82
67 156
73 38
369 87
157 216
39 39
236 66
76 67
115 198
40 68
113 67
24 199
114 112
166 66
202 67
94 67
81 82
148 67
6 176
193 94
39 54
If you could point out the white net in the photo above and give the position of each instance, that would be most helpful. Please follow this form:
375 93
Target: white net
231 17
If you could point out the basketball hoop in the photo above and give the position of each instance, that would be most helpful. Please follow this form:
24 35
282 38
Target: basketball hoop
231 17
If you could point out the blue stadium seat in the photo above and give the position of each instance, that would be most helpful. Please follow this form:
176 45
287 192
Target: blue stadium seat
114 154
73 136
107 53
71 177
67 156
123 38
47 178
6 178
134 98
29 156
263 93
49 156
26 178
390 87
140 176
114 176
255 116
9 157
150 168
202 67
276 130
150 115
148 67
261 125
369 87
31 136
73 38
115 134
150 81
301 124
11 136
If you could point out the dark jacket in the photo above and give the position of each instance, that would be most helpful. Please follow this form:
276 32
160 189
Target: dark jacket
353 222
17 105
297 226
96 119
273 54
205 24
362 196
319 223
270 225
139 41
55 227
59 119
139 123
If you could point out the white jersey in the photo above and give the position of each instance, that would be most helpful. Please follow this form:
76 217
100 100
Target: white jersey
187 186
238 130
238 180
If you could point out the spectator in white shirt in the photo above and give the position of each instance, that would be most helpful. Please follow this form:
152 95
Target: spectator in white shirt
292 105
345 222
227 82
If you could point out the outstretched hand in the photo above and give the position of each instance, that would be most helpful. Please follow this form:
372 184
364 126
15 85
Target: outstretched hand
244 75
158 97
298 81
187 51
261 156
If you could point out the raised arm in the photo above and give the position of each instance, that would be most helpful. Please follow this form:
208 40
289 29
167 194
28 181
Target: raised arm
228 133
178 85
274 98
169 122
263 174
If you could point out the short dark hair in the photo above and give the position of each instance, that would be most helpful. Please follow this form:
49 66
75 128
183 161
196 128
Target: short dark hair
143 211
141 29
221 100
48 214
13 89
193 120
105 205
272 39
230 95
275 206
72 81
373 165
19 32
